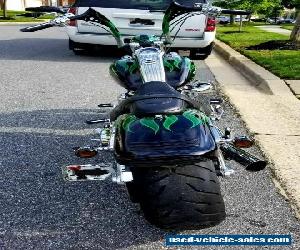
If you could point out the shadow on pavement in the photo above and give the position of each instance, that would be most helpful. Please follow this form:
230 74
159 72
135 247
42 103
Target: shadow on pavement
44 49
41 211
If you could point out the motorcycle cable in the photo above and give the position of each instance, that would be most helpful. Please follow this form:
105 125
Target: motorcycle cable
183 20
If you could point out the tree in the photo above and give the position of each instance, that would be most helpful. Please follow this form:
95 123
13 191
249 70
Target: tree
3 3
295 35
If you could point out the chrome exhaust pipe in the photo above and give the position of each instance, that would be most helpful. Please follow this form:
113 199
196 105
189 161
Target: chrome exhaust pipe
250 162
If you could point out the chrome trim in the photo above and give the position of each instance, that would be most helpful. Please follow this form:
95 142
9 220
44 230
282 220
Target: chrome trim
122 175
151 64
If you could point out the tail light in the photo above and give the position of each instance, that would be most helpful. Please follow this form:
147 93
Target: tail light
211 24
73 10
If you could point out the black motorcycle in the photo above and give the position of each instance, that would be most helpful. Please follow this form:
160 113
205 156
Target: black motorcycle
168 150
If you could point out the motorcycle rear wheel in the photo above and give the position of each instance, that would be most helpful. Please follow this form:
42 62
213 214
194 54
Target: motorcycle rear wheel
179 197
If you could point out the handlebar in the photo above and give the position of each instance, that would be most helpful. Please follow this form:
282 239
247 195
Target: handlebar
37 27
175 10
195 7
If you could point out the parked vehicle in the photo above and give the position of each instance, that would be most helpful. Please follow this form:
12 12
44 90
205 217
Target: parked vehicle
140 17
237 19
286 20
168 149
223 19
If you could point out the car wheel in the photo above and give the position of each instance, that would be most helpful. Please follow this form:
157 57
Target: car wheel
80 48
201 53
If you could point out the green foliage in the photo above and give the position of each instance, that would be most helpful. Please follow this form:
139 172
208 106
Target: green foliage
12 16
264 7
290 4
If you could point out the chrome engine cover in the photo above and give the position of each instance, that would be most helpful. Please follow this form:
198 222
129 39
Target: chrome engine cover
151 64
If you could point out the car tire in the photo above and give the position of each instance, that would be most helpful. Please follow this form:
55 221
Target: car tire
80 48
201 53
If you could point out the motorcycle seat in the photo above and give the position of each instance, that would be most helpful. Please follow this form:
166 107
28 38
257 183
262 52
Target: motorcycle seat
155 98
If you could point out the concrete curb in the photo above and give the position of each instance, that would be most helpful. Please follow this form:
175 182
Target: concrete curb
256 74
271 115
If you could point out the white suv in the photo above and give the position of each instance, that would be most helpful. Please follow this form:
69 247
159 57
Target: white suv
134 17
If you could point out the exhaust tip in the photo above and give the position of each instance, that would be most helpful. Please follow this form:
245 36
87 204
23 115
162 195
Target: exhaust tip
256 166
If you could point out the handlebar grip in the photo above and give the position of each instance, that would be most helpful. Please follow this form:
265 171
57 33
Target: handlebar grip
188 8
236 12
37 27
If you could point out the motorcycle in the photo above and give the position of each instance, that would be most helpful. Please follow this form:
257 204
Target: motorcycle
168 149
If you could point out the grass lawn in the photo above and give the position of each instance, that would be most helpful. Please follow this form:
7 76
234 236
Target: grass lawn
283 63
288 26
13 17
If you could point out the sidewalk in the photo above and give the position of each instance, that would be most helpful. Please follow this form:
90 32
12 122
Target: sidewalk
275 29
270 111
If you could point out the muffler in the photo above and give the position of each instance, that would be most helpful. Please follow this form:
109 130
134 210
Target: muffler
250 162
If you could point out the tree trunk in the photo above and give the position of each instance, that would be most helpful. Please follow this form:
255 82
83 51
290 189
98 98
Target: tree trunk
232 19
295 36
4 9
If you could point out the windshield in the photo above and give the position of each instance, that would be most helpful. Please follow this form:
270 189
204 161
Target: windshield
133 4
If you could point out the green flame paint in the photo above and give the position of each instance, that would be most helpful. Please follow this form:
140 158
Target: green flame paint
128 121
149 122
169 121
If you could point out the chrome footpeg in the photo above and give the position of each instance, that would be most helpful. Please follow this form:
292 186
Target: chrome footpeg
199 86
105 105
216 108
97 121
86 172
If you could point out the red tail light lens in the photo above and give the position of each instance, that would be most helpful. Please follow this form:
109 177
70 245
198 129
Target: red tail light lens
73 10
211 24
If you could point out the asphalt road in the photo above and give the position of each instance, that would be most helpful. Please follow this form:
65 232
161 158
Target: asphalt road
46 93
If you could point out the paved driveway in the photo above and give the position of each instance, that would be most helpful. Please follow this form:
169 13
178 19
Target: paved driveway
46 93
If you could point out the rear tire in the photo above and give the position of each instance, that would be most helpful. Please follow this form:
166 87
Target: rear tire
179 197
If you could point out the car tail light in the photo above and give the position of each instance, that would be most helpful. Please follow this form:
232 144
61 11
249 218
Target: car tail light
73 10
211 24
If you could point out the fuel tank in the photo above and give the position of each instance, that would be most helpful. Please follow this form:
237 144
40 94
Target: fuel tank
163 138
179 71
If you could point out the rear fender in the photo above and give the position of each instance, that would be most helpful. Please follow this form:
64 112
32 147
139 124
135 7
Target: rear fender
163 138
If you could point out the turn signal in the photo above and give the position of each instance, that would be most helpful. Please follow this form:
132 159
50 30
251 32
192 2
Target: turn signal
73 10
85 152
211 24
243 142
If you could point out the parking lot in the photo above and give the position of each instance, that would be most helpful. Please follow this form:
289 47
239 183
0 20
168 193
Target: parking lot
46 95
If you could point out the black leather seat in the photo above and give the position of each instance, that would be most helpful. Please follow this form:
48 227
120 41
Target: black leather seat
154 98
157 98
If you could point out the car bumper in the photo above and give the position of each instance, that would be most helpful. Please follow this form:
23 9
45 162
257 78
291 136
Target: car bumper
107 39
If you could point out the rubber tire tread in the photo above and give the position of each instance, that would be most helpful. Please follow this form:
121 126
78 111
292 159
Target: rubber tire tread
181 197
